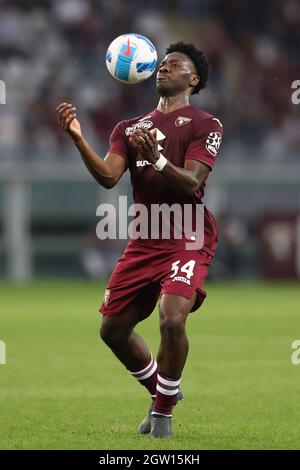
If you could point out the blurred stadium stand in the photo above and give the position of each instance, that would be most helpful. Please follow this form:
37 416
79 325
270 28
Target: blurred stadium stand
54 50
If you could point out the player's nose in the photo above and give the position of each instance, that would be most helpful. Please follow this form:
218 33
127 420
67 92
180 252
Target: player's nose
163 69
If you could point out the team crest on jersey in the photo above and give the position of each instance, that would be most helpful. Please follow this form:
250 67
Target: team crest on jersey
106 297
213 143
181 121
138 125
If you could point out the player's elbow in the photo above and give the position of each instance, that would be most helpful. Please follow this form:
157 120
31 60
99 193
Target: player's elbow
195 182
192 187
108 184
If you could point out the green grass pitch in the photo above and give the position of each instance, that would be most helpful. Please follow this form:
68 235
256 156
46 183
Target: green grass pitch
63 389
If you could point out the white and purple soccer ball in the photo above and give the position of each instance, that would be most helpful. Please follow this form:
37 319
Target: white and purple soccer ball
131 58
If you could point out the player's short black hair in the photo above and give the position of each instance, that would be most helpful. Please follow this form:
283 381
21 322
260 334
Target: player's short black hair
197 57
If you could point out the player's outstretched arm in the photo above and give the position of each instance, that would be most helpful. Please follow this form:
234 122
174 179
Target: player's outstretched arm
106 172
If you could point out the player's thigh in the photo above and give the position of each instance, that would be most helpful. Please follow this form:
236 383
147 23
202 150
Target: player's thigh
120 326
175 308
147 300
142 306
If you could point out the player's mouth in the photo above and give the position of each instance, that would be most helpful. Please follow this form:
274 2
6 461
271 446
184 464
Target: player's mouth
161 77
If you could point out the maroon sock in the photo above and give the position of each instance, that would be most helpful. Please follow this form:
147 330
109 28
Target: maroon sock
147 376
166 395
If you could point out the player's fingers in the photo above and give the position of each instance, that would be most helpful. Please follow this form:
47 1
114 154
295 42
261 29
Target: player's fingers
154 133
142 142
141 135
135 133
136 136
62 112
65 121
133 137
69 116
134 141
145 140
151 135
66 115
151 139
69 121
60 119
63 109
138 143
61 105
71 113
66 112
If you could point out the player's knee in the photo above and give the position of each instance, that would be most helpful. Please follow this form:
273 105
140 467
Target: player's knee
103 332
172 328
111 335
172 323
107 334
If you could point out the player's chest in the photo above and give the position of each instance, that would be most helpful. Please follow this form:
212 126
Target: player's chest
173 135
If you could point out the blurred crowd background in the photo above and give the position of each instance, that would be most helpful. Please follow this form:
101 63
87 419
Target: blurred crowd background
54 50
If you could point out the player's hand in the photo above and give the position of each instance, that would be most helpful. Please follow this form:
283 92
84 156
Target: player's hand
145 142
67 120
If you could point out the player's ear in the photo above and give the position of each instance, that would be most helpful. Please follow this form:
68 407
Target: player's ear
194 80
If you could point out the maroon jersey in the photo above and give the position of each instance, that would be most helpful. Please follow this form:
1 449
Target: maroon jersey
186 133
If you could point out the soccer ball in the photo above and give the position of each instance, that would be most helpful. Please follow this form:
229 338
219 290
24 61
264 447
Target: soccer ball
131 58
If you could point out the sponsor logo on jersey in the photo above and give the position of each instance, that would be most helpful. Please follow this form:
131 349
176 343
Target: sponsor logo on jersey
181 121
138 125
213 143
140 163
106 297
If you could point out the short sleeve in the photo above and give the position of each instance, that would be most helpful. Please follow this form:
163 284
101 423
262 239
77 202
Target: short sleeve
207 140
117 141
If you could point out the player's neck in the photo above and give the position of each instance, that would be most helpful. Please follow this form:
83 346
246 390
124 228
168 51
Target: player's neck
167 104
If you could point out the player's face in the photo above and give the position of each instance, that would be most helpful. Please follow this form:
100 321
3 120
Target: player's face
176 74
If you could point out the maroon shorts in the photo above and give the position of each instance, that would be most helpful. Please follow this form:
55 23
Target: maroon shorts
144 273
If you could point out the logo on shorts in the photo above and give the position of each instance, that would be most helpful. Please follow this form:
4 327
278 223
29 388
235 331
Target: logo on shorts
106 297
181 121
213 143
181 279
143 124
